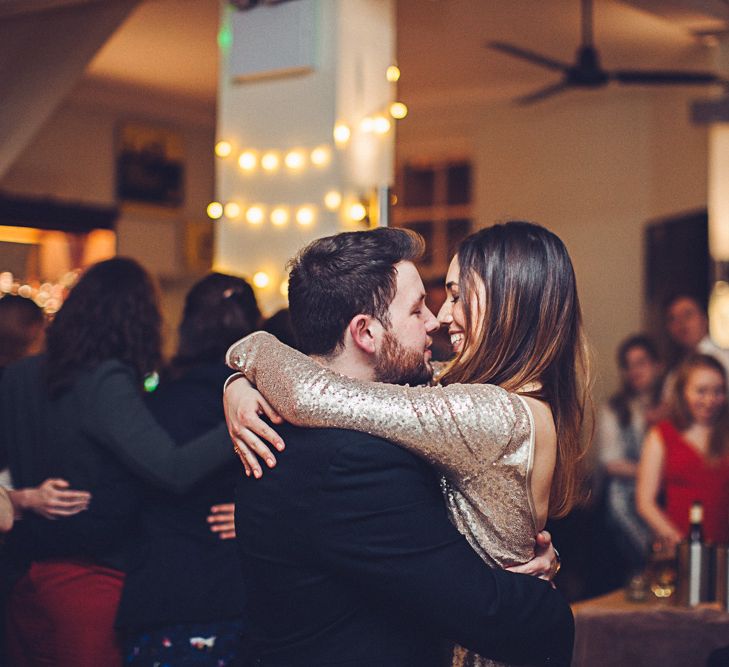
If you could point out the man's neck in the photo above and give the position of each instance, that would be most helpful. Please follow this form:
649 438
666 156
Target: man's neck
346 365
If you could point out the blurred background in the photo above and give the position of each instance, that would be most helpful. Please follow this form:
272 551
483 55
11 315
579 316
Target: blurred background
112 112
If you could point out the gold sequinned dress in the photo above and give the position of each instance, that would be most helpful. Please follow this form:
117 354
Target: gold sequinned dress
480 438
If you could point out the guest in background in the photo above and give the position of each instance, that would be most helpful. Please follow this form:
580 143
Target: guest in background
78 413
183 598
688 328
686 456
621 428
22 325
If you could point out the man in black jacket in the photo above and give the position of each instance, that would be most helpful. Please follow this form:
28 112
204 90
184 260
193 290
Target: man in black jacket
348 555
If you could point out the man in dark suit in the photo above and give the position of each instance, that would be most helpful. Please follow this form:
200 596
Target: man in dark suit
347 552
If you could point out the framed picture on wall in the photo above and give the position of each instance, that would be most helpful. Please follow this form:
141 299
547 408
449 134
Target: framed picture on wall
150 165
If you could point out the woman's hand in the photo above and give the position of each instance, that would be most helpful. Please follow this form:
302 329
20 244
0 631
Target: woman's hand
51 500
222 520
546 562
244 406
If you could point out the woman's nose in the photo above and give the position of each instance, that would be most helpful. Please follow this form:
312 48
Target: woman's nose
445 314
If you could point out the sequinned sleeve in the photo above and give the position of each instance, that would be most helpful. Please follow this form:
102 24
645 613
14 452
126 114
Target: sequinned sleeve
458 428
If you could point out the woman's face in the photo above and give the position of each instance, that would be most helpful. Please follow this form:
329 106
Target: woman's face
641 370
452 314
704 394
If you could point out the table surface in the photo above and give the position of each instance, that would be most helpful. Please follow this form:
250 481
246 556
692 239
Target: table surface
611 631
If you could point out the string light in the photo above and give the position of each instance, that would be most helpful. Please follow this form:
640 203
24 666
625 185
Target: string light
270 161
214 210
381 125
393 73
261 279
279 216
398 110
247 161
332 200
223 149
305 215
321 156
255 215
294 159
341 134
284 288
231 210
367 124
357 212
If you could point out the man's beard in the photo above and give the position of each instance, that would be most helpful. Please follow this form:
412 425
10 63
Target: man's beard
396 364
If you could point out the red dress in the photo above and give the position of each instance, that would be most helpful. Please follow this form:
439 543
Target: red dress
687 476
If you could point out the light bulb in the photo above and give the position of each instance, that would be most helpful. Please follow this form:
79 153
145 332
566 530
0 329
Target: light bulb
254 215
261 279
284 289
332 200
223 149
320 156
392 73
305 215
341 134
214 210
279 216
294 159
357 212
398 110
270 161
247 161
381 125
231 210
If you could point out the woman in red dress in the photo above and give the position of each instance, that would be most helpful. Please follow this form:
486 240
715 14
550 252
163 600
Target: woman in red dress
685 457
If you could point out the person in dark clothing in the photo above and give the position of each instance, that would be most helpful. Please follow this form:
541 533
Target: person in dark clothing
77 412
183 597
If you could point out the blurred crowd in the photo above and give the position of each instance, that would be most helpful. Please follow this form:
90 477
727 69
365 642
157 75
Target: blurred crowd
661 442
117 502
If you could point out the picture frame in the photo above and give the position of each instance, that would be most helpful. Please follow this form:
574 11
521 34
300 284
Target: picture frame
150 167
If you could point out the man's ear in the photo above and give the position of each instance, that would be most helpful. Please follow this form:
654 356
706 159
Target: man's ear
364 330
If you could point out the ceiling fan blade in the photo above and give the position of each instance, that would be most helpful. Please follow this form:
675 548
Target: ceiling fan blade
531 56
666 77
542 93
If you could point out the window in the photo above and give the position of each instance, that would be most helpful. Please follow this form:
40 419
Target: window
435 200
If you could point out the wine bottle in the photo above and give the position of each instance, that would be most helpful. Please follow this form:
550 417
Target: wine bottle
696 523
697 559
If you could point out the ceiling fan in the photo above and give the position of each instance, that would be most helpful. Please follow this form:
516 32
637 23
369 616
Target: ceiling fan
586 71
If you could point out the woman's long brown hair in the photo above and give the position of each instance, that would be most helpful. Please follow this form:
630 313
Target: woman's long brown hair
680 414
527 329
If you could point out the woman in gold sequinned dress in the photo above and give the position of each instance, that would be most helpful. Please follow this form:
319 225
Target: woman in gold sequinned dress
503 424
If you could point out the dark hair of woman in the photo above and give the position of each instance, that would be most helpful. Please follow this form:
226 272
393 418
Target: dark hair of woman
219 310
680 413
111 313
620 401
524 326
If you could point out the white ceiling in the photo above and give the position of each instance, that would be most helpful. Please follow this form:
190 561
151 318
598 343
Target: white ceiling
170 45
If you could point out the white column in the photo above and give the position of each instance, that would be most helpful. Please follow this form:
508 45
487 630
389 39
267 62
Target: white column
293 77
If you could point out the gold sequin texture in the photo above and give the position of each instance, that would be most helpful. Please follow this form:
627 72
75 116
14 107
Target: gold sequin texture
480 438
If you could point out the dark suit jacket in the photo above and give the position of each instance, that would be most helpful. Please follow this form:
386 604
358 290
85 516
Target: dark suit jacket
349 558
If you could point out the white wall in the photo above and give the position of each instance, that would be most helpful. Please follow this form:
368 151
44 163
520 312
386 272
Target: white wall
592 166
72 158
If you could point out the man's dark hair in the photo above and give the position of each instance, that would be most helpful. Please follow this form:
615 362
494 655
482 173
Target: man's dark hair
338 277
